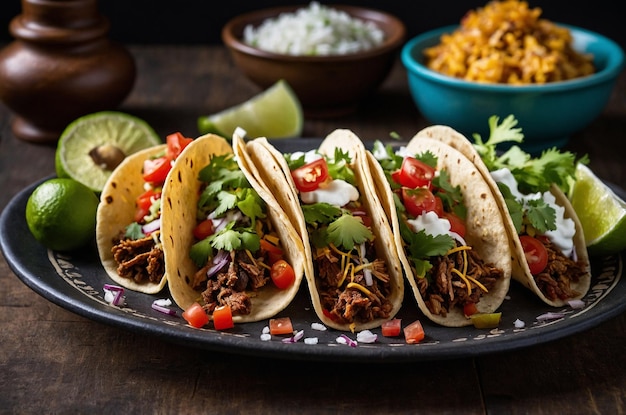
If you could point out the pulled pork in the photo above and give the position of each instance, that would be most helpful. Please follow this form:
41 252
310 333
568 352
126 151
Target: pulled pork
139 259
443 289
231 284
555 280
348 303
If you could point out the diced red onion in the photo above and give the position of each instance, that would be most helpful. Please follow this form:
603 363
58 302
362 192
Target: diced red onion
150 227
219 261
367 273
576 304
162 309
118 294
366 336
295 338
550 316
343 339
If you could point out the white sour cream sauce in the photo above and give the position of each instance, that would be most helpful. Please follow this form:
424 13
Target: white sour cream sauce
563 235
337 192
431 224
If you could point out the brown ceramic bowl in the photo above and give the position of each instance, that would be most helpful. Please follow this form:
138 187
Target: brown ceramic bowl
327 86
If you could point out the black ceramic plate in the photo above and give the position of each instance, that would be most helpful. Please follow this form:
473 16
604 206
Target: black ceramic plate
75 282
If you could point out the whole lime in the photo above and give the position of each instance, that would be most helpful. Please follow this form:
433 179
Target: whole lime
61 214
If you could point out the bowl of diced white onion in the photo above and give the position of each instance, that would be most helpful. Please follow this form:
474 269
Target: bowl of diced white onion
333 56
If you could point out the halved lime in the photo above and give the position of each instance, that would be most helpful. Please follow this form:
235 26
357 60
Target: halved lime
273 113
92 146
602 213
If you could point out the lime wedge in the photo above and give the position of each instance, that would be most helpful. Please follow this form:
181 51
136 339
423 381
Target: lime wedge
92 146
601 212
273 113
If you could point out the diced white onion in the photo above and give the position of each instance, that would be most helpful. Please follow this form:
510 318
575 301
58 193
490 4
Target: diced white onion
366 336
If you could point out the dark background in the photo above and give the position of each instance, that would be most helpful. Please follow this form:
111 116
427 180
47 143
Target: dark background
200 21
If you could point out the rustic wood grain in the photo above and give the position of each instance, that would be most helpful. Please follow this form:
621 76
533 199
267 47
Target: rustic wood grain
53 361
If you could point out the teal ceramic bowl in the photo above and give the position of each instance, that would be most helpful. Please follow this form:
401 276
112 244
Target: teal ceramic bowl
548 114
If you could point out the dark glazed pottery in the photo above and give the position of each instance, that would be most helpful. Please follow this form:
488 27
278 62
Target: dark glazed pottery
61 66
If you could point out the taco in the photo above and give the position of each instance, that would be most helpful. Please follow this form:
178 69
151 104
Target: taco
354 278
551 257
449 230
128 232
226 240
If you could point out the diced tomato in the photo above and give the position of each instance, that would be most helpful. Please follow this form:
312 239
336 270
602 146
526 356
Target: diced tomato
155 170
414 332
144 201
414 173
176 143
535 253
223 318
392 328
281 325
203 229
330 315
273 252
196 316
418 201
140 213
282 274
438 206
457 225
309 177
470 309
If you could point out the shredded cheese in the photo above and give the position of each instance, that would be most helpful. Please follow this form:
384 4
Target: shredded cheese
463 277
273 239
360 288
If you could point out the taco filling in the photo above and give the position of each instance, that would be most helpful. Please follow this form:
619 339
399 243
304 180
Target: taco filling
236 249
431 213
351 280
546 237
137 248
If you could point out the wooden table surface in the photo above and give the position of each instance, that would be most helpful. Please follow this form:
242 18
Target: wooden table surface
54 361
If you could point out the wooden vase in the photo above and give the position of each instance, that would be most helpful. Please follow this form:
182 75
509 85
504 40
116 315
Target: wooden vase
61 66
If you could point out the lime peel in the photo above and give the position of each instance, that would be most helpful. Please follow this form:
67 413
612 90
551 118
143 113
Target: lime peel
105 129
602 213
274 113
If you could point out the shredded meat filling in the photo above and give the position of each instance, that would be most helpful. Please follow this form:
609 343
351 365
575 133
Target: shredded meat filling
442 289
139 259
350 304
231 284
556 279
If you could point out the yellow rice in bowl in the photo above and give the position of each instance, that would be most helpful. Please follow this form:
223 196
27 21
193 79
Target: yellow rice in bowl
507 42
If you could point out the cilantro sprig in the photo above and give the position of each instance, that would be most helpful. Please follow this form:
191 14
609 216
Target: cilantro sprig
533 174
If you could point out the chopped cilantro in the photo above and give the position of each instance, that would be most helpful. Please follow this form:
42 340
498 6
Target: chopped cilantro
347 231
320 213
428 158
200 252
451 196
541 216
421 246
339 167
133 231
